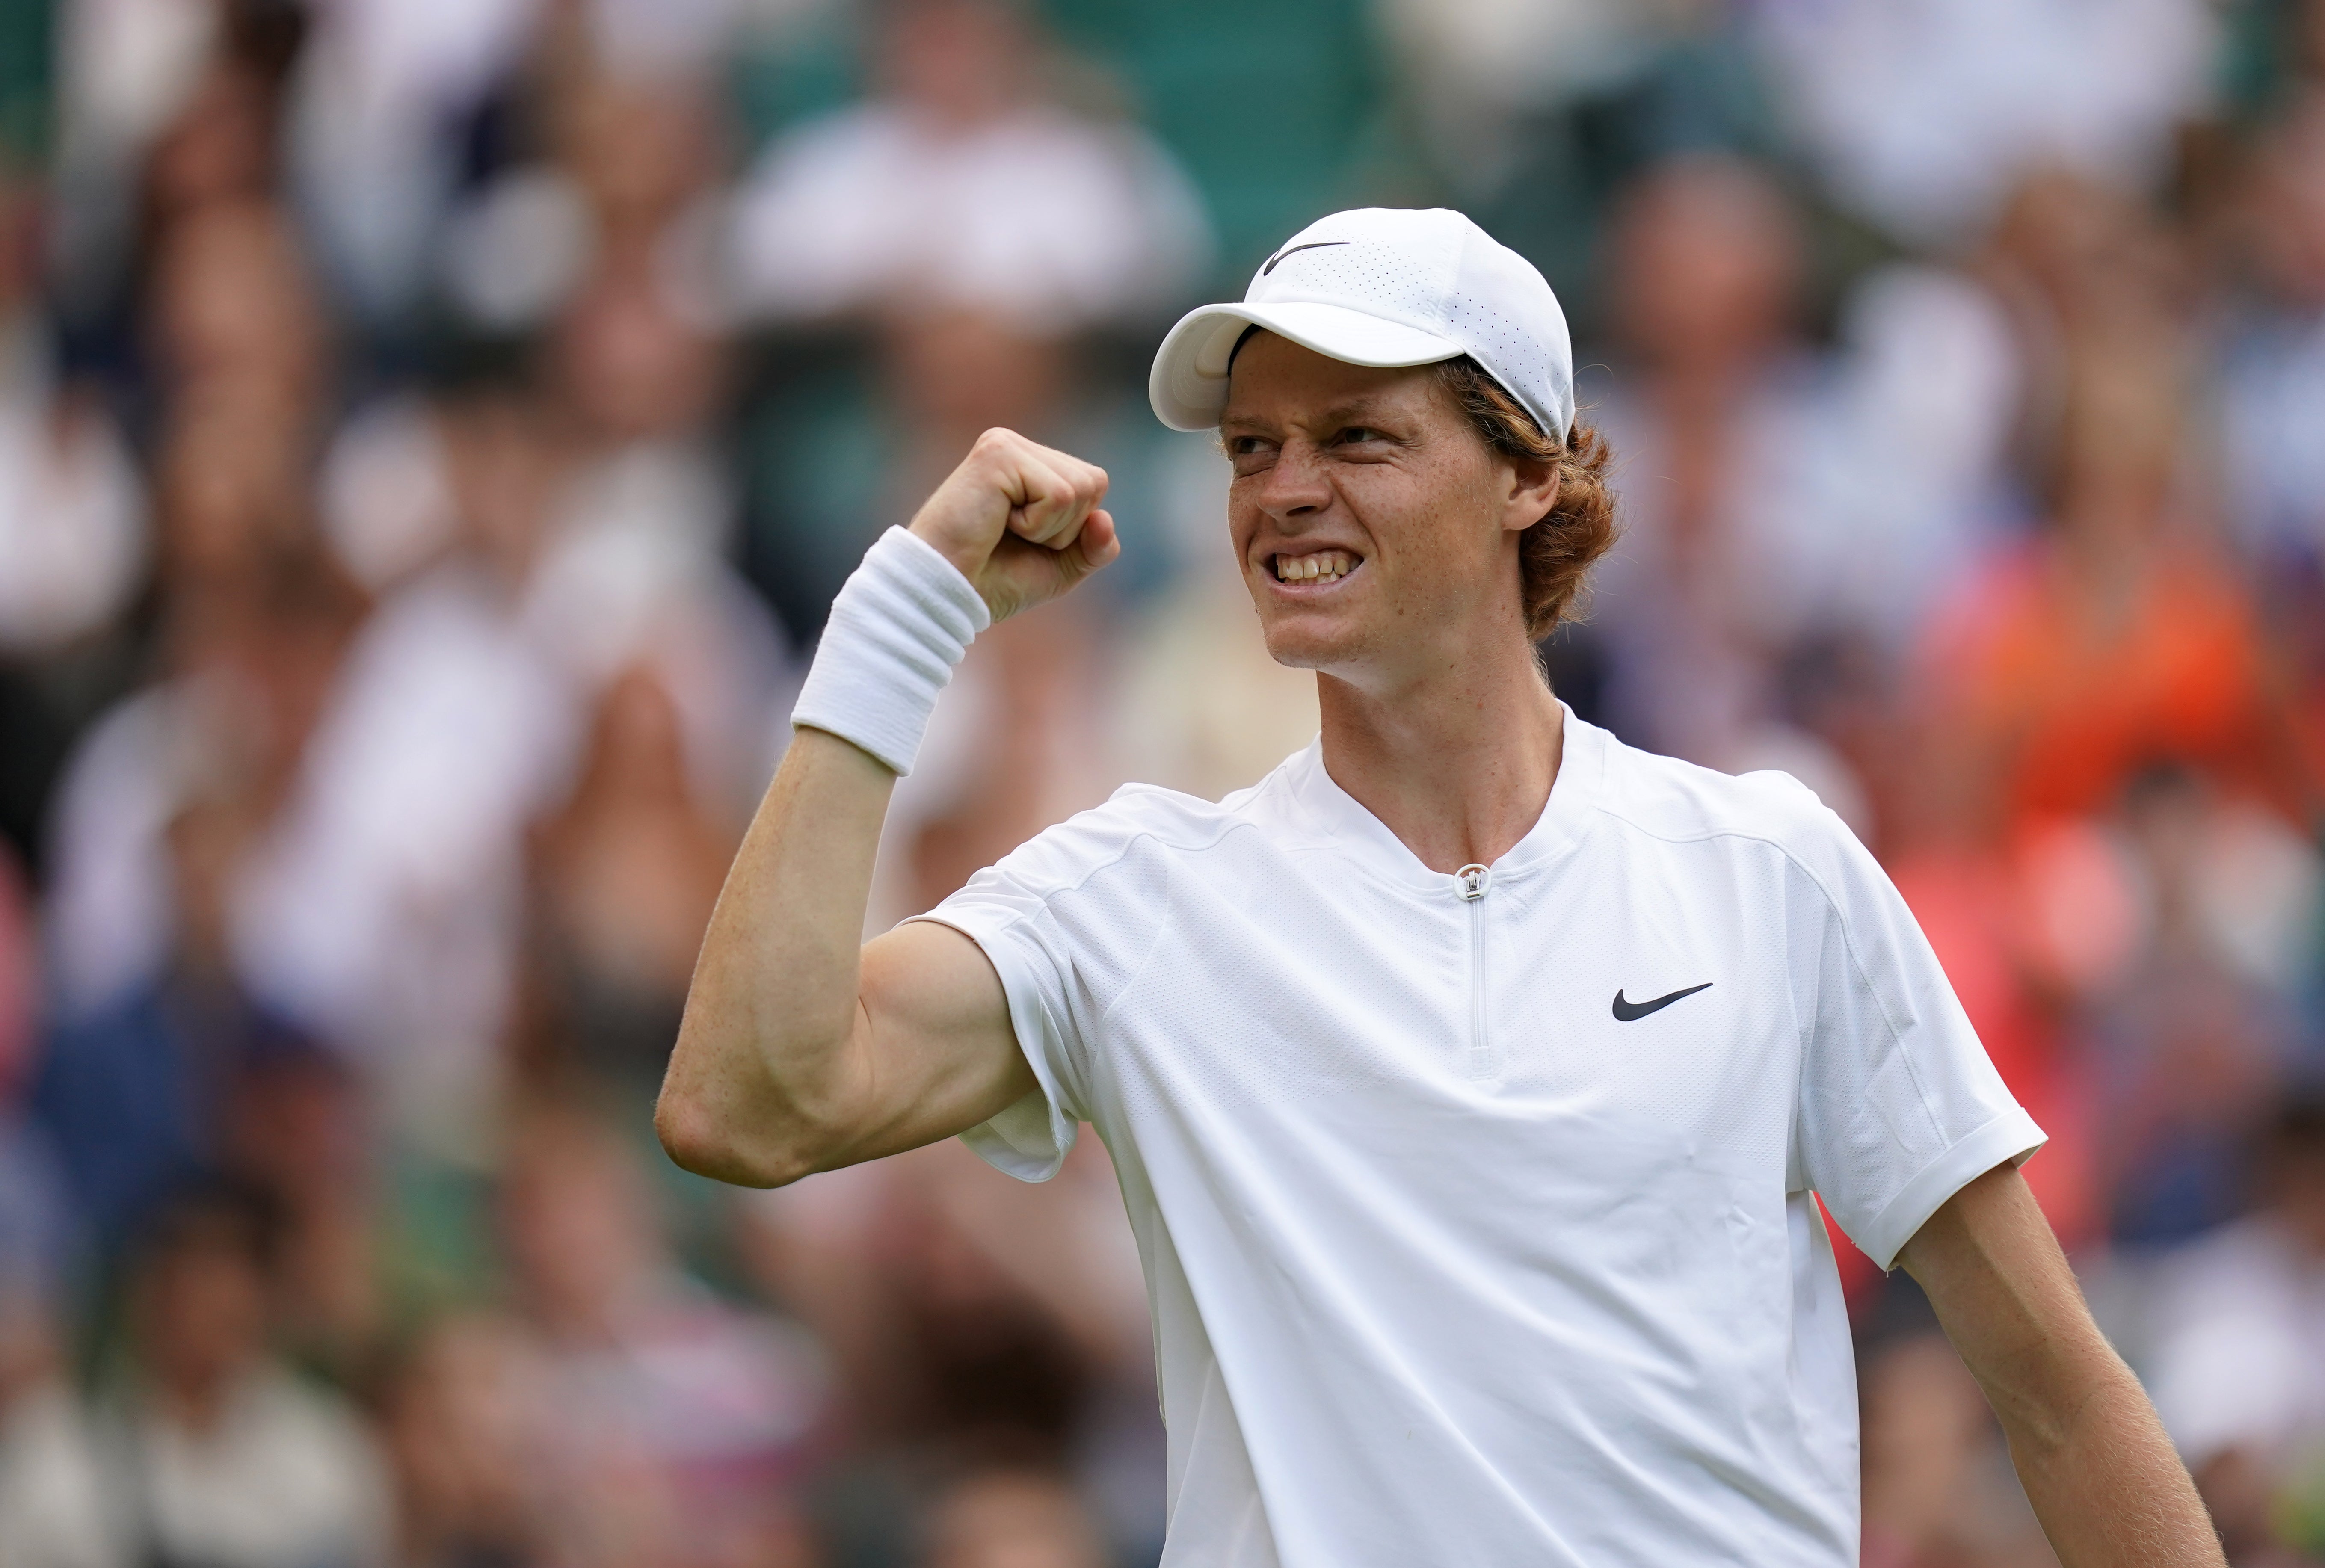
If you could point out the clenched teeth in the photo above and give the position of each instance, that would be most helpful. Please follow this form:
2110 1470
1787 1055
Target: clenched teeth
1323 566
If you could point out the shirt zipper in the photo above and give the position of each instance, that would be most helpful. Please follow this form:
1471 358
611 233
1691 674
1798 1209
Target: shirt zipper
1472 882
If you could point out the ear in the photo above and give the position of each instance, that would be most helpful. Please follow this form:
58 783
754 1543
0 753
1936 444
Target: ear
1533 492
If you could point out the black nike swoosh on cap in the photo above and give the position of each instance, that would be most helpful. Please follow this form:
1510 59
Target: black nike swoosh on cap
1631 1011
1310 245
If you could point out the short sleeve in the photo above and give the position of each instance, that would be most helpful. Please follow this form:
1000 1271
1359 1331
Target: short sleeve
1065 919
1899 1106
1030 1139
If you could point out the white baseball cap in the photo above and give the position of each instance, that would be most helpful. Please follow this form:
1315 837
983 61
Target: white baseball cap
1382 286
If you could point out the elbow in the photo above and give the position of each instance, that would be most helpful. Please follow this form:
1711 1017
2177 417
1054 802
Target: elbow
701 1138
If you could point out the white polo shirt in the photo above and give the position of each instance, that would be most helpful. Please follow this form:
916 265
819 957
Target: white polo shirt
1477 1228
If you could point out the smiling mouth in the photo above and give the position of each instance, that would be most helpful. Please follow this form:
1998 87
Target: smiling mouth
1316 566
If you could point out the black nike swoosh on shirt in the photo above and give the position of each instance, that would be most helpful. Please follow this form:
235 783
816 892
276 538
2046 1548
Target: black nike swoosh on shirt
1631 1011
1310 245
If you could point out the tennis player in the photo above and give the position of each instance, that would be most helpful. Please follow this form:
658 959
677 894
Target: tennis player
1471 1078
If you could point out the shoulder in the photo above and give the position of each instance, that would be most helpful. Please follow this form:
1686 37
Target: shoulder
1139 830
1665 798
1092 895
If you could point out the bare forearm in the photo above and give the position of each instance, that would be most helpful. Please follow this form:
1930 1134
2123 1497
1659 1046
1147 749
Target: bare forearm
2105 1481
774 997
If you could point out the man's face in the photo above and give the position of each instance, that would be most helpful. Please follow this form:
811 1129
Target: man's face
1371 522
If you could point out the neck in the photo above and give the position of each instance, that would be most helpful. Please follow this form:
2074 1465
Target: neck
1457 762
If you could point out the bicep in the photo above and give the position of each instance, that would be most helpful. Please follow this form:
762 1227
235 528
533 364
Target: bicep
935 1051
2005 1295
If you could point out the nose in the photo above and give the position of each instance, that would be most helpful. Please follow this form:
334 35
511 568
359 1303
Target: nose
1294 486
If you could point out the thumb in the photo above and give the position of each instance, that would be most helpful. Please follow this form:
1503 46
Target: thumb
1022 574
1095 546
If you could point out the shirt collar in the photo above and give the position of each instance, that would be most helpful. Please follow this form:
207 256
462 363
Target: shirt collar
1313 810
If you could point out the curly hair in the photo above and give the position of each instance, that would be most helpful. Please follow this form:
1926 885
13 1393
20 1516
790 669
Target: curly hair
1555 554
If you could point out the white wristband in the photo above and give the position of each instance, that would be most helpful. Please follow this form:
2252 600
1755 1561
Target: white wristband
905 617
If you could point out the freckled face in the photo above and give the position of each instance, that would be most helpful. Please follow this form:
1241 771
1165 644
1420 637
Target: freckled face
1368 516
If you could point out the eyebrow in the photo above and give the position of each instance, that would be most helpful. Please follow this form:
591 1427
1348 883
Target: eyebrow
1358 411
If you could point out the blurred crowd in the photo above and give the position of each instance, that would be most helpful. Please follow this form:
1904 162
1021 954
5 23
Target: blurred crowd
431 432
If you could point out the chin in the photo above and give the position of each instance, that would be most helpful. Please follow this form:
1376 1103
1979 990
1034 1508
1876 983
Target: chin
1298 646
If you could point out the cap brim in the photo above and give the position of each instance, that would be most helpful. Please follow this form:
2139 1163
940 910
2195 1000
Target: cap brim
1189 384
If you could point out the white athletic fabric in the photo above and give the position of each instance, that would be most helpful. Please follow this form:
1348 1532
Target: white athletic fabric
902 622
1450 1266
1382 286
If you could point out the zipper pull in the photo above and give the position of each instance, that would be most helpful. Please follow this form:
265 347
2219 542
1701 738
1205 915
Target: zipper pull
1472 880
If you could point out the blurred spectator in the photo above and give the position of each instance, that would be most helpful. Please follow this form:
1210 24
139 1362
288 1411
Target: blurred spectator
1479 65
2193 1038
52 1515
942 1346
165 106
1001 1518
1937 1489
71 513
207 1450
1706 258
134 1097
622 878
1924 114
249 655
380 101
72 530
385 493
298 1129
673 1429
960 187
968 1317
2028 927
1535 115
233 310
1305 84
2272 392
234 1460
628 192
633 565
460 1409
1718 420
157 1020
936 373
19 987
2085 275
231 501
2114 640
2273 372
394 106
2238 1372
383 911
589 539
41 1512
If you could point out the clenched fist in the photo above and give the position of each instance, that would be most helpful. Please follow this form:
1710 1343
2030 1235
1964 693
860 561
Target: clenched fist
1021 521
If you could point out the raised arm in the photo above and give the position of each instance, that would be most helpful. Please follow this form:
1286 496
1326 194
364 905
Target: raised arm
2094 1459
800 1049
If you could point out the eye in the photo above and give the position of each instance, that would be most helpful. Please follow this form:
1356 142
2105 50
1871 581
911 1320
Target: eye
1250 454
1356 435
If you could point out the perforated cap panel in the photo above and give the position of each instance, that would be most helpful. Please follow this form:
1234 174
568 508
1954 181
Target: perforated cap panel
1432 272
